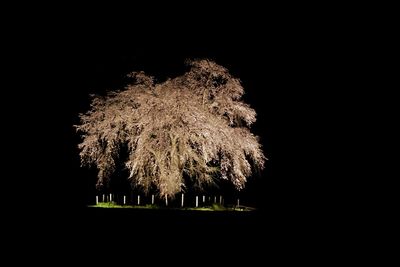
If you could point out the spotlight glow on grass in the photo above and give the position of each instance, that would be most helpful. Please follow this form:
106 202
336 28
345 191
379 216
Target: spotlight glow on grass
214 207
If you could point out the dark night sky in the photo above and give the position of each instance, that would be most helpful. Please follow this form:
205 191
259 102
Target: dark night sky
300 68
286 61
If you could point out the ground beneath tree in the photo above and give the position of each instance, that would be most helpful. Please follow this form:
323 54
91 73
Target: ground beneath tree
214 207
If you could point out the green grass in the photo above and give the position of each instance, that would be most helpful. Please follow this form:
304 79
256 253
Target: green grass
114 205
214 207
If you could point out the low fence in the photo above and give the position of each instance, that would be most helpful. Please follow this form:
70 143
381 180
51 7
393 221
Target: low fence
181 200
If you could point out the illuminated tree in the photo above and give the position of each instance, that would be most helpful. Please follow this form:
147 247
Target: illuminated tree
193 126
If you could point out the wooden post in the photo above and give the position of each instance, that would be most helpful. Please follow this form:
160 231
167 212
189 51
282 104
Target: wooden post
97 200
152 199
124 200
197 201
182 199
138 200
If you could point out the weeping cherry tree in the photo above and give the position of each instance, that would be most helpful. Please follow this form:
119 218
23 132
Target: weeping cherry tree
192 126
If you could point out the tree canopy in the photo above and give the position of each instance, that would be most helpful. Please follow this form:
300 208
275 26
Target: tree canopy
193 126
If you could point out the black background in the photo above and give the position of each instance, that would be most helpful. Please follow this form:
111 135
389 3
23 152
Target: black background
288 59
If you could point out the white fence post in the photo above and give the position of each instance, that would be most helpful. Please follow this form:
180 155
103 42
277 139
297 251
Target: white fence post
204 198
166 201
97 200
220 199
182 199
138 200
197 201
124 200
110 197
152 199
